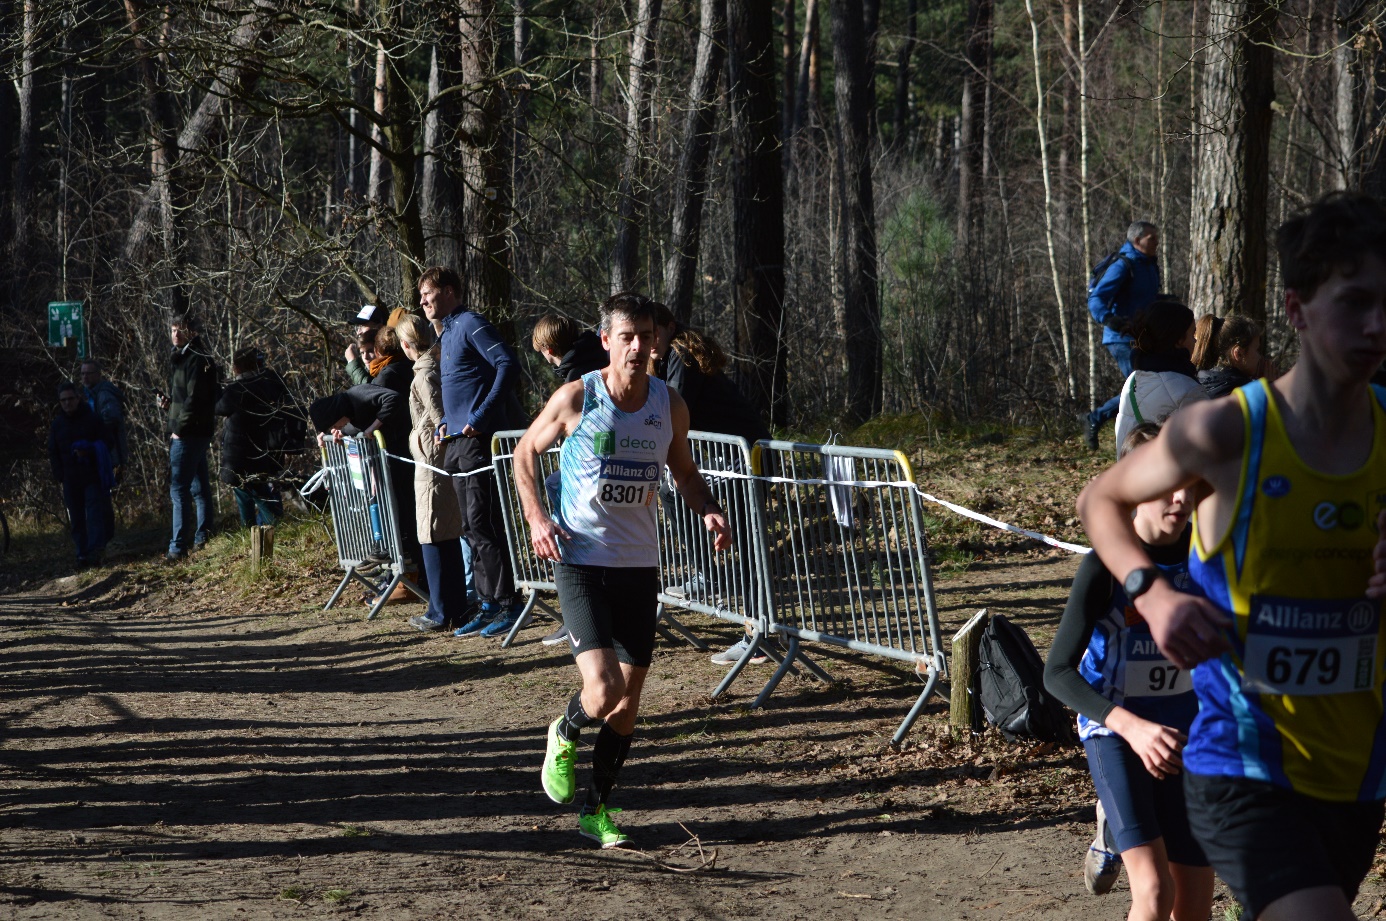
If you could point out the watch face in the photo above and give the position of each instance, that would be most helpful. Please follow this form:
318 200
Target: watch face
1139 582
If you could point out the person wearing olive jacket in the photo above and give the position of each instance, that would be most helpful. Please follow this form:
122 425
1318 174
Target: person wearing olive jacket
190 405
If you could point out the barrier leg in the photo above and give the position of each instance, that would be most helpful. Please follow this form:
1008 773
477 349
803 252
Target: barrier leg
352 573
385 595
740 664
522 621
929 685
675 627
341 587
789 656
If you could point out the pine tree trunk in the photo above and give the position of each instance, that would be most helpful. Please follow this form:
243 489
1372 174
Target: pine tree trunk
1228 243
24 147
625 252
485 167
858 307
690 182
900 134
757 202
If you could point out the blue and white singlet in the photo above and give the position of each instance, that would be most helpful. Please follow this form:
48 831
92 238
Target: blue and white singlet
1123 664
610 468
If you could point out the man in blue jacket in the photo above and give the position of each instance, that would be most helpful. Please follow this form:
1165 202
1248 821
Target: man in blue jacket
479 371
1128 286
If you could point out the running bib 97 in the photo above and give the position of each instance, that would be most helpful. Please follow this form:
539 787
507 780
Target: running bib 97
626 483
1150 674
1308 648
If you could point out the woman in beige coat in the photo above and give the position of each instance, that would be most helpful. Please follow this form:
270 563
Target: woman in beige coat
437 518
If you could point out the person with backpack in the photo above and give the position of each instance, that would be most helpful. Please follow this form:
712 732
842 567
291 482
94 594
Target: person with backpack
252 404
1121 286
1134 711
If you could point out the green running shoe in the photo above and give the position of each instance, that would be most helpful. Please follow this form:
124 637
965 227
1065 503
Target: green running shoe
599 827
557 773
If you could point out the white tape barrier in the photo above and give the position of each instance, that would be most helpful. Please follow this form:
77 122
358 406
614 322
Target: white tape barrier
871 484
863 484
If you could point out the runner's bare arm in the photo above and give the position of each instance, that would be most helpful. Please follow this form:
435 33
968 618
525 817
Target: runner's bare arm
1376 585
1188 629
689 480
559 417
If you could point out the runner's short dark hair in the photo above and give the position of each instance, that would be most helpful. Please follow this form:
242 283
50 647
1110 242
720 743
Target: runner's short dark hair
441 277
630 305
1333 234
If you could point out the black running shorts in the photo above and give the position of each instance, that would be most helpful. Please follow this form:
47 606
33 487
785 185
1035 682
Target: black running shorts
609 607
1266 842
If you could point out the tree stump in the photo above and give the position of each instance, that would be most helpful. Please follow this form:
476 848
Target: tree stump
964 665
261 546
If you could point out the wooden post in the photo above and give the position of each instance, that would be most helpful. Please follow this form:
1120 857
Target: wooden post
261 546
964 666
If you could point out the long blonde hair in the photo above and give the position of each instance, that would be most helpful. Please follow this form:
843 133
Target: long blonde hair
417 331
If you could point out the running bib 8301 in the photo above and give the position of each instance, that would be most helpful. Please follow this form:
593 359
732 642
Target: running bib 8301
626 483
1307 648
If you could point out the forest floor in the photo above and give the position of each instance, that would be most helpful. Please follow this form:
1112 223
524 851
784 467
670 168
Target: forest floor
190 742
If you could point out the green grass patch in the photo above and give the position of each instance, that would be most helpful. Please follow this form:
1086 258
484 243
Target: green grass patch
355 831
336 896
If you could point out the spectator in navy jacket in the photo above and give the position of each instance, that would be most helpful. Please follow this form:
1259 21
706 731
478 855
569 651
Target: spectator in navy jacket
1128 286
479 371
81 453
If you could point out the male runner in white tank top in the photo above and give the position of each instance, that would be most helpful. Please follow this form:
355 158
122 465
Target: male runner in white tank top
620 428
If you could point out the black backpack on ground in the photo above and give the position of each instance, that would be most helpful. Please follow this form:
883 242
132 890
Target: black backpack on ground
1009 688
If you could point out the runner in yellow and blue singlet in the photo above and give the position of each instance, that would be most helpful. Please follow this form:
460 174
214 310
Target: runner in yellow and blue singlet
1298 701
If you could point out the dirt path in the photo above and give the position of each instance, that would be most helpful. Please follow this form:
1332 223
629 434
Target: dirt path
171 758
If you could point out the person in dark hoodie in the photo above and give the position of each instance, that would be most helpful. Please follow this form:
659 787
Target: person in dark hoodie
1227 354
251 404
363 410
571 350
80 452
190 404
1164 378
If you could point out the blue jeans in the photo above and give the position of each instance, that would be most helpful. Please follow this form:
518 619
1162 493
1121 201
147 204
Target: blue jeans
1121 353
189 484
258 503
88 508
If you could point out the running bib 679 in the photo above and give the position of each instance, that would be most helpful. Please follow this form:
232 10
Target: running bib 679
626 483
1307 648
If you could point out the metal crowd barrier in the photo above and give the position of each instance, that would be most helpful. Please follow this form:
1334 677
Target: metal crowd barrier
532 574
364 522
729 585
849 564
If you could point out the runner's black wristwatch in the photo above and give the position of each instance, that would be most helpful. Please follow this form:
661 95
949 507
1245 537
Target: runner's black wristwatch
1140 581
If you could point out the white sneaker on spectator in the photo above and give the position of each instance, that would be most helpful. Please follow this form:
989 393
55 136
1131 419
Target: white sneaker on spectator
733 654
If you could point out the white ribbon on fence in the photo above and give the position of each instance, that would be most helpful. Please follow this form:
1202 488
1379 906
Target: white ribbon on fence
905 484
834 483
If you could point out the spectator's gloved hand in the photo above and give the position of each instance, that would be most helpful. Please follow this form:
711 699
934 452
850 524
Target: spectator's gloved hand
1119 325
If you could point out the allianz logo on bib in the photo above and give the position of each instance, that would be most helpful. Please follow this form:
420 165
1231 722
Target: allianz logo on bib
1283 615
1349 516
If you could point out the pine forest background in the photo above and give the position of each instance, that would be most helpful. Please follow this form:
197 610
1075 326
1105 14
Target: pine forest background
883 206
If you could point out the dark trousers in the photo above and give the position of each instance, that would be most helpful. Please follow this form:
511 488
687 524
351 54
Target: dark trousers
88 508
258 503
447 582
1121 354
483 527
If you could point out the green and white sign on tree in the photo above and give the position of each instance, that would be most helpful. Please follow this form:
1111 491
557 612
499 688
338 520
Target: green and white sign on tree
66 321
